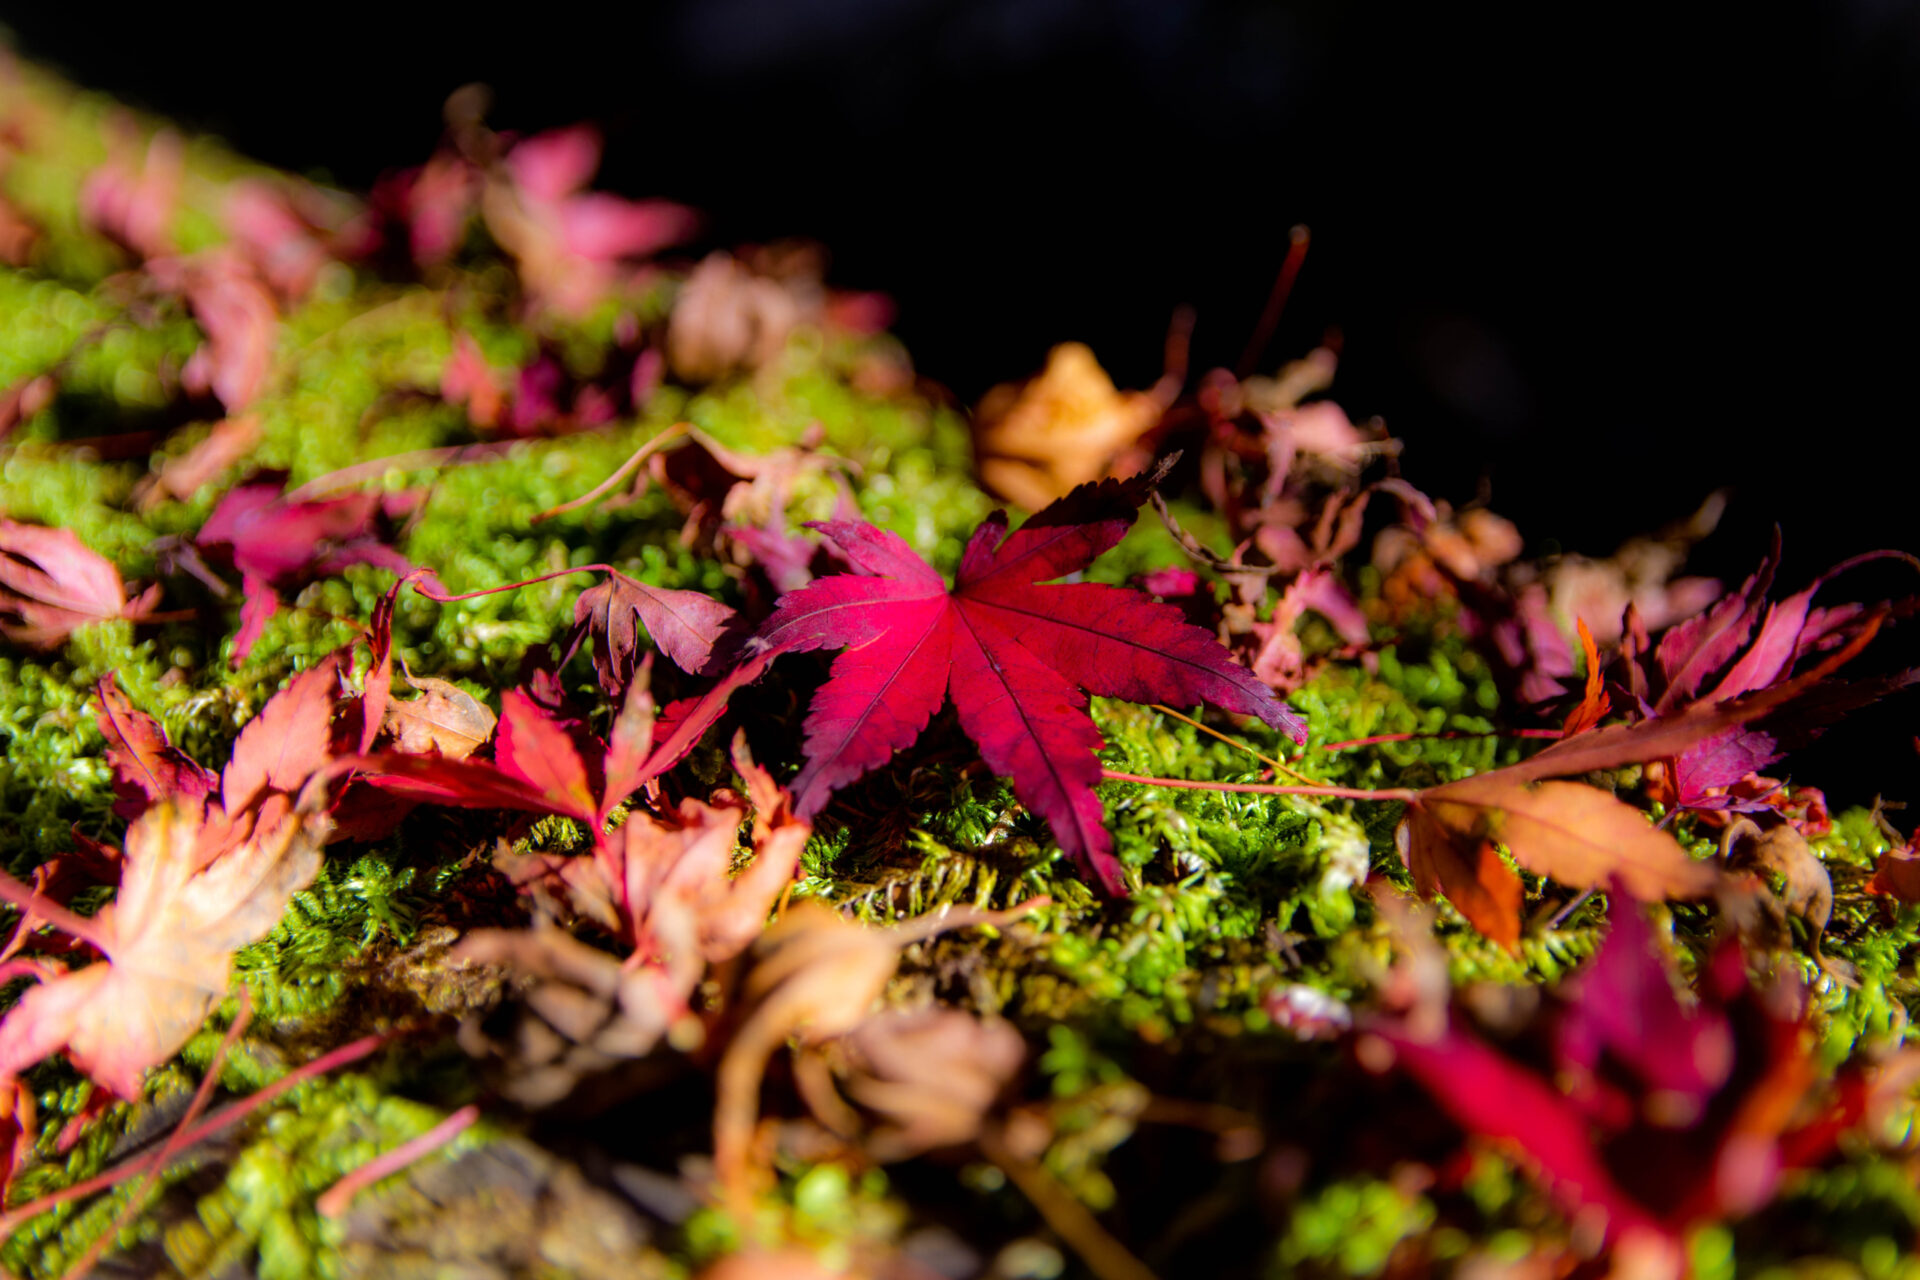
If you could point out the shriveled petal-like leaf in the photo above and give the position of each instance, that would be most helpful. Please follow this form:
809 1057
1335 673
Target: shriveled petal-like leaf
1692 651
169 938
685 625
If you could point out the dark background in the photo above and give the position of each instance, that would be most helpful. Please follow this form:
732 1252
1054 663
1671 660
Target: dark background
1602 258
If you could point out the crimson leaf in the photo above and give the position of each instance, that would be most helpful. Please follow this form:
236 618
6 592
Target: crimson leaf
1017 652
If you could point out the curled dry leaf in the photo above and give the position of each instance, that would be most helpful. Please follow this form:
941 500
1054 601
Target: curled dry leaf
445 720
685 625
582 1013
815 974
52 584
931 1076
1806 889
727 318
1038 441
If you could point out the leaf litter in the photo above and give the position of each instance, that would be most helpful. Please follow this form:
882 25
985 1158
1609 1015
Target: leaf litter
970 930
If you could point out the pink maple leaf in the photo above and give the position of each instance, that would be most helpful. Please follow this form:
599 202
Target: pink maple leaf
52 584
275 543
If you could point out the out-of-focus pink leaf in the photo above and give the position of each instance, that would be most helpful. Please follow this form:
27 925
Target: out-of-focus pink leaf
52 584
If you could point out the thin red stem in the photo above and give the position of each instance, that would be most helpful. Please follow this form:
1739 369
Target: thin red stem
442 598
1297 240
334 1200
1555 734
224 1118
1402 794
201 1096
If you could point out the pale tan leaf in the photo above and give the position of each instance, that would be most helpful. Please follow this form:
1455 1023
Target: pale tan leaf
445 720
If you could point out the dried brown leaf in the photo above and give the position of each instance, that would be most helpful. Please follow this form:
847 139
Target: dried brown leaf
445 720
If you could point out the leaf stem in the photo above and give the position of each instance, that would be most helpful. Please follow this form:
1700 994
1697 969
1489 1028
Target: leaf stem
1378 738
620 473
1404 795
224 1118
335 1199
441 597
1269 761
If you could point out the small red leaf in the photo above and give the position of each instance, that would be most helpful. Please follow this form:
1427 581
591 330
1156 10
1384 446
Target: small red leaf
288 742
146 767
531 746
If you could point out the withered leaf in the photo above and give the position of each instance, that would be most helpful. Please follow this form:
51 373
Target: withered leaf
168 937
444 720
1575 834
1038 441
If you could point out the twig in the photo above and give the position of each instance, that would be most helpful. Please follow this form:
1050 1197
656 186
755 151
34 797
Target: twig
1378 738
1105 1256
1297 241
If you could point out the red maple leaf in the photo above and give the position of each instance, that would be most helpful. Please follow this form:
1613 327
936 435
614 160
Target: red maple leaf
1645 1114
1017 650
207 870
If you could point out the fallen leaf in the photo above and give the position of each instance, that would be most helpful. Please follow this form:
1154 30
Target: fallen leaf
147 768
814 976
684 625
1015 655
1806 886
52 584
930 1076
275 543
187 900
1038 441
1594 703
445 720
1568 831
1650 1115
